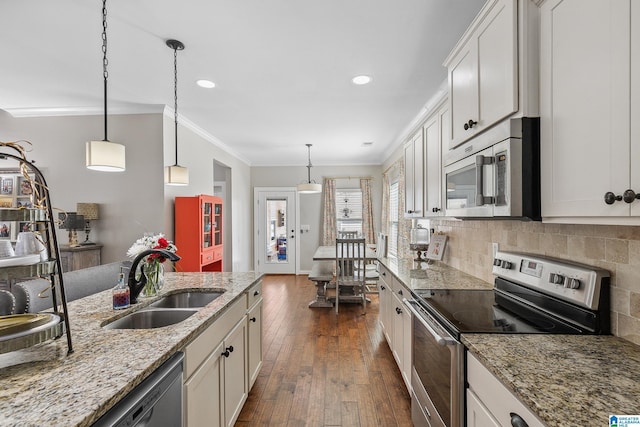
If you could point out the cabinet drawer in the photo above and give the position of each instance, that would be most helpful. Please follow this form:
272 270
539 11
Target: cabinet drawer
254 294
493 395
198 349
385 275
211 255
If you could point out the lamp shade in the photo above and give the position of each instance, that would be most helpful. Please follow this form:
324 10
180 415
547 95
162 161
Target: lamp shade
88 210
105 156
309 188
176 175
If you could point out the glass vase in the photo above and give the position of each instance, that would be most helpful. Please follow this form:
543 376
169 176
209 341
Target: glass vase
154 272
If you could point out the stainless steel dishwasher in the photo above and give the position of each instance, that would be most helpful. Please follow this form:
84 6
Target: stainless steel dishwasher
157 401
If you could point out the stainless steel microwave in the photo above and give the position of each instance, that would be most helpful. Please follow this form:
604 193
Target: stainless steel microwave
496 174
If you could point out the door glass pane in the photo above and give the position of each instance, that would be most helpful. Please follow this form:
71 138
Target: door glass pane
206 225
276 215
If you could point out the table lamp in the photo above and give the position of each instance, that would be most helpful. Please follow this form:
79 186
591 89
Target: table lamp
73 222
420 238
90 212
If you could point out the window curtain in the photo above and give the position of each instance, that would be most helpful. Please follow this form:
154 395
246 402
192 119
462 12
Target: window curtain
329 212
404 225
367 211
384 217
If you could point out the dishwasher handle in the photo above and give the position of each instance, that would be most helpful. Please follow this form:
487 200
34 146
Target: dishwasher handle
439 334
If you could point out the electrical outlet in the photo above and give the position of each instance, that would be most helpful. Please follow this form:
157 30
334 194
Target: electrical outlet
494 249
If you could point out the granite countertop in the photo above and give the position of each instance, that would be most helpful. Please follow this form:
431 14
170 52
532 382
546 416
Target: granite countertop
576 380
43 385
420 275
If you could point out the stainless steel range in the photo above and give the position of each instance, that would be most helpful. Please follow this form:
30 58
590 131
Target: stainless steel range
531 295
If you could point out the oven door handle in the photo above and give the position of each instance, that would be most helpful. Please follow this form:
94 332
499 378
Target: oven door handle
440 339
481 199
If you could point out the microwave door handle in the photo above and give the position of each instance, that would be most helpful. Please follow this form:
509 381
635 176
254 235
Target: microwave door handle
481 199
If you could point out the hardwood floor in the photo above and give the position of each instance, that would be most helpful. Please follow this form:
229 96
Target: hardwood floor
321 369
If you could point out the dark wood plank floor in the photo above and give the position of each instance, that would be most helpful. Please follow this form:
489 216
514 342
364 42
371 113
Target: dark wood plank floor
321 369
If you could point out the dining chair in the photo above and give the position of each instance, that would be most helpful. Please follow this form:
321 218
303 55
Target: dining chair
348 234
350 280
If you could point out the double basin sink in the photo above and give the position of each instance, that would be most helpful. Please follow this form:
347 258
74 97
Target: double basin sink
168 310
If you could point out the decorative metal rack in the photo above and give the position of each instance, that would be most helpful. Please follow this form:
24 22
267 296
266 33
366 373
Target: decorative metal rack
41 215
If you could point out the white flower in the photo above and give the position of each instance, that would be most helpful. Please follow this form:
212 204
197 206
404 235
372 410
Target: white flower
156 241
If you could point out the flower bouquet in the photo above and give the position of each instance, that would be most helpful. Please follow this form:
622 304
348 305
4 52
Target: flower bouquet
151 266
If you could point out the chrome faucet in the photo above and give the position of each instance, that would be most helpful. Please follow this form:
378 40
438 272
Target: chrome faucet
135 286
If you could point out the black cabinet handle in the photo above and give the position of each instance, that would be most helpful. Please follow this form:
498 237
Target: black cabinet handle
230 348
610 198
470 124
398 311
256 293
383 288
400 292
226 353
253 319
435 210
517 421
630 196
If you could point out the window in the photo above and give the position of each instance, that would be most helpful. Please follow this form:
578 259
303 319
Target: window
349 210
392 244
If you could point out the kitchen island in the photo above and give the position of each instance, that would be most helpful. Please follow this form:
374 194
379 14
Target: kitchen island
43 385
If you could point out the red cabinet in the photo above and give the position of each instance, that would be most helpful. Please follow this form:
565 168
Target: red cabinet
198 233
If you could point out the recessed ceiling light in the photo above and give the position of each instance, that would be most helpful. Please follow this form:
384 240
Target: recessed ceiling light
361 80
367 144
207 84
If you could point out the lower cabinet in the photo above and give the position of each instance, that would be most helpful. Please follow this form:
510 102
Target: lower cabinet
385 298
222 363
490 403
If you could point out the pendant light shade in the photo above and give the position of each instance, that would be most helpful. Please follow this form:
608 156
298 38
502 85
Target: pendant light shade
176 174
105 156
309 187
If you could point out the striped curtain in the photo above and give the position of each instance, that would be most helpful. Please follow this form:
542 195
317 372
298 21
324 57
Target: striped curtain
329 212
367 211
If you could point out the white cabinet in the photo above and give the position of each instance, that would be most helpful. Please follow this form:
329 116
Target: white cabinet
414 176
385 298
401 339
490 403
436 131
483 71
589 91
254 334
215 370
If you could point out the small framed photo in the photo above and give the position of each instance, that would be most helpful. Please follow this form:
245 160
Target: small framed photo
6 186
5 230
24 202
6 202
437 246
24 187
24 226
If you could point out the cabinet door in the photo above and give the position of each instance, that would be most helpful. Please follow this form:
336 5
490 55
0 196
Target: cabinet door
433 173
463 94
397 347
385 297
234 379
254 351
414 176
635 105
202 393
477 414
584 106
407 338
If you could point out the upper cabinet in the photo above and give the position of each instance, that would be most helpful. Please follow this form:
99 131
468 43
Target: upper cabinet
589 91
414 176
492 69
435 134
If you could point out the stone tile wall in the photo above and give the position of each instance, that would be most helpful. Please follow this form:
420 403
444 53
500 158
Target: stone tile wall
614 248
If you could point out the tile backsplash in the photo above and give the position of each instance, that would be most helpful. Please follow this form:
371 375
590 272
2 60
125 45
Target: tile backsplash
614 248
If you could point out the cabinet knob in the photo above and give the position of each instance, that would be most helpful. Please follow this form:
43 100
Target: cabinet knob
256 293
470 124
610 198
225 353
253 319
630 196
435 210
230 349
517 421
398 310
383 288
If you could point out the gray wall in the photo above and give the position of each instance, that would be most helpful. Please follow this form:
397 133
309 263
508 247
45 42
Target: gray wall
135 201
310 208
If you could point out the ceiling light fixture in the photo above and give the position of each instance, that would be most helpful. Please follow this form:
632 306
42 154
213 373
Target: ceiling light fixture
176 175
105 156
207 84
309 187
361 80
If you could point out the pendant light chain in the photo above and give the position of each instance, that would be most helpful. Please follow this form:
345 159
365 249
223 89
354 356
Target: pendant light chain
105 62
175 96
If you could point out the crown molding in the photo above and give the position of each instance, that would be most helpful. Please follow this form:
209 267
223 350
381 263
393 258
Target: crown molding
83 111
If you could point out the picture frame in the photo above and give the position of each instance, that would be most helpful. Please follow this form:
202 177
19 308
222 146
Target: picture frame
6 186
6 202
24 226
24 202
5 230
23 187
437 246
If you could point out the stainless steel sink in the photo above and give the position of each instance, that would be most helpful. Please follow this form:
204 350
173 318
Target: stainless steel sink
187 299
151 318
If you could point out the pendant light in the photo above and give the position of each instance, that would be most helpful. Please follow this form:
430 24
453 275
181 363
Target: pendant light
176 175
309 187
105 156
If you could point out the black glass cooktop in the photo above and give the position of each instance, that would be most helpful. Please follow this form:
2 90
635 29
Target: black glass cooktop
488 311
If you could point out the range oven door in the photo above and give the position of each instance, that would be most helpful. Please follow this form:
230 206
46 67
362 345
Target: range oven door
437 374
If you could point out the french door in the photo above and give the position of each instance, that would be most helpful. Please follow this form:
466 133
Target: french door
275 230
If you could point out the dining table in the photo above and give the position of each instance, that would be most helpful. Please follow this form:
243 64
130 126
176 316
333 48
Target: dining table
322 272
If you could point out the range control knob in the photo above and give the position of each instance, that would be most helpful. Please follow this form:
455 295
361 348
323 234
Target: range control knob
497 262
557 279
505 264
572 284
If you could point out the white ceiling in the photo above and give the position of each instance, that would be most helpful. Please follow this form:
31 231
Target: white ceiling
283 68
